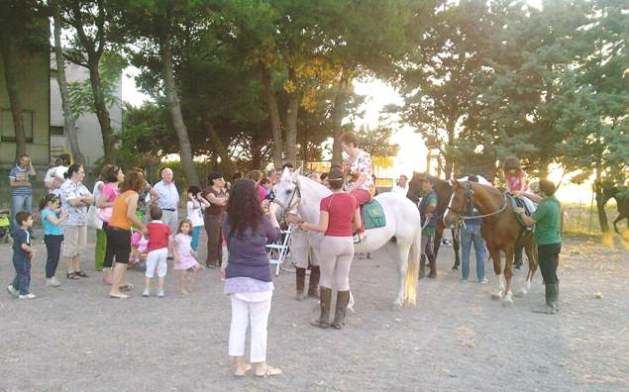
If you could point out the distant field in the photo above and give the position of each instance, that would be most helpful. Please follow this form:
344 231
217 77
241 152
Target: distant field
582 218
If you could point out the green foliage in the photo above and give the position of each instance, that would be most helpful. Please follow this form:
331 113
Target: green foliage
81 93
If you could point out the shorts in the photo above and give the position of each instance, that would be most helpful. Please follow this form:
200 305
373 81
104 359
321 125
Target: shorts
120 242
157 259
75 239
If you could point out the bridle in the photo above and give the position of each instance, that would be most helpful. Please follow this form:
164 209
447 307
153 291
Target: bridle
293 202
468 193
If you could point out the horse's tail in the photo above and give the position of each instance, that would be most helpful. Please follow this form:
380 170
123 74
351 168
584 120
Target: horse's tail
412 271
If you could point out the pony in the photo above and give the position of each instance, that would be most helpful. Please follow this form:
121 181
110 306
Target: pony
499 227
295 192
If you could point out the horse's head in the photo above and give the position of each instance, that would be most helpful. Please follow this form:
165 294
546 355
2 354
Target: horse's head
415 185
287 190
460 202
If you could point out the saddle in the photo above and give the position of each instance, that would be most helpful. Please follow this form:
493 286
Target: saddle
528 205
373 216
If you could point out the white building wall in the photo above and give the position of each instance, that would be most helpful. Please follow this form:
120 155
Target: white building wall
90 138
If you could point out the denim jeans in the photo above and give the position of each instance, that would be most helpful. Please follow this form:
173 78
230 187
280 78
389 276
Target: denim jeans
53 248
196 235
471 234
20 203
22 281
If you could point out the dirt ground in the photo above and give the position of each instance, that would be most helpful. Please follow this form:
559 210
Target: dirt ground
457 339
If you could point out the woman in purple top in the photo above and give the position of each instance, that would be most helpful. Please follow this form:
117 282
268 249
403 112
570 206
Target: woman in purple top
248 228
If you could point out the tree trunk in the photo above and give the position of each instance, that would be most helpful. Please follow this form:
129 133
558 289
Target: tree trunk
600 205
292 112
257 142
274 114
9 53
174 107
100 108
448 158
340 106
221 150
68 119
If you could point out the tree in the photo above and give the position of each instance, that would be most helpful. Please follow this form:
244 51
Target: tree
93 23
68 117
596 115
23 27
163 25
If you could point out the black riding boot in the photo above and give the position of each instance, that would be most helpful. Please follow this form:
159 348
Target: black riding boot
433 267
300 275
325 295
313 284
342 299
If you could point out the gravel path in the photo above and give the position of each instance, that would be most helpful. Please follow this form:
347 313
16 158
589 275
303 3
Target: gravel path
456 339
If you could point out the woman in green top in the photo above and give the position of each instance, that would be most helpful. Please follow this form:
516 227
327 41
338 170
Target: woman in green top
547 221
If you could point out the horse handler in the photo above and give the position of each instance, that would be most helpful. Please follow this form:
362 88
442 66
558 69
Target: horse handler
337 214
547 221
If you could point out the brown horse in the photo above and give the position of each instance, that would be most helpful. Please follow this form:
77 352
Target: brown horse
499 227
621 194
443 190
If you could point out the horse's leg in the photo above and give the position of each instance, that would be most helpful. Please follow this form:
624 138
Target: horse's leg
509 255
530 250
437 241
495 257
618 219
404 250
455 244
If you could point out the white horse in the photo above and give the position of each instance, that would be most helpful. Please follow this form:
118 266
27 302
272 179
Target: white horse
296 192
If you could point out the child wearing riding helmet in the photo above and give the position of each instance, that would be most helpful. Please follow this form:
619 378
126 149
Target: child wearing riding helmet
515 177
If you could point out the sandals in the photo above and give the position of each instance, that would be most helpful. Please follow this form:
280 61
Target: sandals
80 274
126 287
119 296
241 372
269 372
72 276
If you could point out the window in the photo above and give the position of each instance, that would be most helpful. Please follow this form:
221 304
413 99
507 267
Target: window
56 131
7 131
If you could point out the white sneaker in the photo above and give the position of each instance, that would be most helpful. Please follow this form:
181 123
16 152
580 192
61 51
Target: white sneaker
160 293
28 296
484 281
52 282
146 293
12 290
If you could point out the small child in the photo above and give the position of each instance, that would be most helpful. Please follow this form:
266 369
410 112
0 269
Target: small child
184 255
139 249
52 216
159 241
22 257
196 204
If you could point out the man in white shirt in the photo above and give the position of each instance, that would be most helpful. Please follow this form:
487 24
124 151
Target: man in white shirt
168 198
402 186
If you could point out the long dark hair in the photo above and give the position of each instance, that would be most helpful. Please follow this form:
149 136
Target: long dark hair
243 208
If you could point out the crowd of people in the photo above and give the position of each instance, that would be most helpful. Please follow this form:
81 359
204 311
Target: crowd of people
134 220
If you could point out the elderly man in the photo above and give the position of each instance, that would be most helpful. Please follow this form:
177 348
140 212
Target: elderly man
402 186
168 198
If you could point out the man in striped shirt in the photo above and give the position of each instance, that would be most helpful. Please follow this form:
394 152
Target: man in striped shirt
21 188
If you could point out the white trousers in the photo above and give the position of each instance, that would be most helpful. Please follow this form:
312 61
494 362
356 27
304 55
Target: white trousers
255 315
156 260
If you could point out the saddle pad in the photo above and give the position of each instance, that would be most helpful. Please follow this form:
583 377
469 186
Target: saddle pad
528 206
373 215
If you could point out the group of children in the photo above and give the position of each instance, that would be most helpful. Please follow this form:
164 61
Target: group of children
155 247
